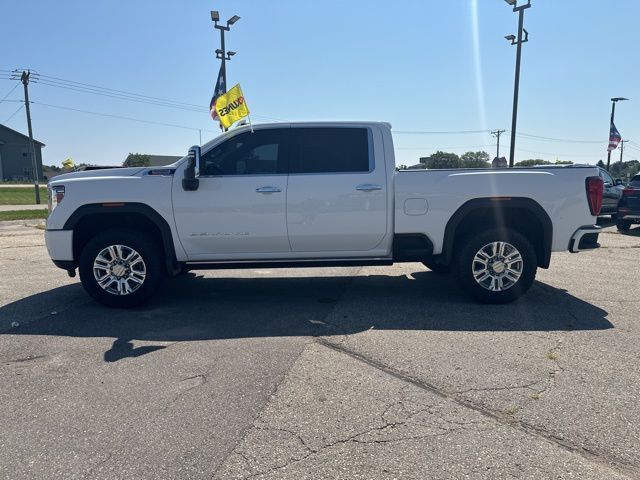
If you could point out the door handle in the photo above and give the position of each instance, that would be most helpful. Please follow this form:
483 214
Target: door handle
268 189
368 187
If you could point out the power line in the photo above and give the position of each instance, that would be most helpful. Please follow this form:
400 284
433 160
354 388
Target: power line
551 139
440 147
10 92
417 132
122 117
11 116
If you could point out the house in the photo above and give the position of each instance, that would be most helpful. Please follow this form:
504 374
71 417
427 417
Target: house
15 156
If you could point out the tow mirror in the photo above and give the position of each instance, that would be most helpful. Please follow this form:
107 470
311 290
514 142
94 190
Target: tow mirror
190 181
619 182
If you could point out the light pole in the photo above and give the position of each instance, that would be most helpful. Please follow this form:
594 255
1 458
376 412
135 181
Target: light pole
516 88
222 53
614 100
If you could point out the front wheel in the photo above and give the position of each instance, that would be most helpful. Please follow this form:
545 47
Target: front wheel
496 266
623 225
121 268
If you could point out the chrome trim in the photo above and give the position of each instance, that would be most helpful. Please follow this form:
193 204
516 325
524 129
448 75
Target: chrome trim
368 187
268 189
577 236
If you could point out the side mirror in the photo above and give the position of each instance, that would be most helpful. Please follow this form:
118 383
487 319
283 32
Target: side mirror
619 182
190 181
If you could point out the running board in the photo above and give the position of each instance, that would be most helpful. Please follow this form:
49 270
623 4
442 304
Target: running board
330 262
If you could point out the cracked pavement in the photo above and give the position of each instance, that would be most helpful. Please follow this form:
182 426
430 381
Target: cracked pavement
321 373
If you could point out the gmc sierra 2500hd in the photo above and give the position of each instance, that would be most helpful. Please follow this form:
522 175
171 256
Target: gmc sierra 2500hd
315 194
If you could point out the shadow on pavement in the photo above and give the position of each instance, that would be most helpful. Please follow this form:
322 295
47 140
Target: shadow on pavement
196 308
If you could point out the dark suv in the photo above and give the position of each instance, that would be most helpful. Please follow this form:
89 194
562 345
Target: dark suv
611 194
629 206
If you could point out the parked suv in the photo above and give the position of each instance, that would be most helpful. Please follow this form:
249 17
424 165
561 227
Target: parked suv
629 207
611 194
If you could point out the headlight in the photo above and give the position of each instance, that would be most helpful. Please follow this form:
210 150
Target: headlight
56 194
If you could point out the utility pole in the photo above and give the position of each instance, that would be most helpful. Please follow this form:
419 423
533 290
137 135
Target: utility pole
516 88
622 142
613 115
497 133
24 78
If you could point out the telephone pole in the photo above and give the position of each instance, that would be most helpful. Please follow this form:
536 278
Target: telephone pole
24 78
497 133
622 142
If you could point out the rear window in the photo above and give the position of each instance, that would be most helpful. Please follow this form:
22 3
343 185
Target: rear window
329 150
635 182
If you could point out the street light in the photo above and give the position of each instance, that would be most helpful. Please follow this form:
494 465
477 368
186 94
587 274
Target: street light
221 53
516 88
614 100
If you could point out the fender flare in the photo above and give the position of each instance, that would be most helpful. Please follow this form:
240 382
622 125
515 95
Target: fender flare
117 208
498 205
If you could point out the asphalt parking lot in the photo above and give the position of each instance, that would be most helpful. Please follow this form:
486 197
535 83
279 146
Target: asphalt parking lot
352 373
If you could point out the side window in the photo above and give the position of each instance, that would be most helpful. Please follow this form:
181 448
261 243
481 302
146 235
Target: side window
606 177
258 153
330 150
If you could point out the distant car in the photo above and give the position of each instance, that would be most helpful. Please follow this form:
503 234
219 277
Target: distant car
611 195
629 207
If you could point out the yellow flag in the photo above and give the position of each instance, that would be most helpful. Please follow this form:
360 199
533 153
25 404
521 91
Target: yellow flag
68 163
231 107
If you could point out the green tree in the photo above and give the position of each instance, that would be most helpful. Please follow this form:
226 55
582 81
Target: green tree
442 160
532 162
475 160
137 160
601 164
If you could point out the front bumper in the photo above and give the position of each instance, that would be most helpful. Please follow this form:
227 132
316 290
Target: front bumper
59 245
585 238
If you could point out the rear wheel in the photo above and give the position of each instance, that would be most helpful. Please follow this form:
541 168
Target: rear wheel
121 268
623 225
496 266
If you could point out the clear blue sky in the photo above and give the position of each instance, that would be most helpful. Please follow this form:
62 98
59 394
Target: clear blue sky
423 65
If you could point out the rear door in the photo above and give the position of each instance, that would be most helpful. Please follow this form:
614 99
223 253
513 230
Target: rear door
611 194
337 191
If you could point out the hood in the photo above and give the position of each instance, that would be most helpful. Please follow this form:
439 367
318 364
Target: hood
107 172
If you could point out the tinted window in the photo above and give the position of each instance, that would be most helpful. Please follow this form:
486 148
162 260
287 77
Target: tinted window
635 182
606 177
258 153
325 150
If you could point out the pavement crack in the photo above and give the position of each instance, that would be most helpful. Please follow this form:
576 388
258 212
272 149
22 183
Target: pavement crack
616 464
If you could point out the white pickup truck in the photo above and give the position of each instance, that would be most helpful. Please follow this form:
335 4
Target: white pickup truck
315 194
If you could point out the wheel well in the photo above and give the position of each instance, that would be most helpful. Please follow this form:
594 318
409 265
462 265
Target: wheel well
525 216
90 225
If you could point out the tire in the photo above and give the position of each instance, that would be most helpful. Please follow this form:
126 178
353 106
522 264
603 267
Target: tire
137 259
623 225
508 282
437 268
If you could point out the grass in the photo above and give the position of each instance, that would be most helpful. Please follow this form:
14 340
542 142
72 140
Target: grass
23 215
21 196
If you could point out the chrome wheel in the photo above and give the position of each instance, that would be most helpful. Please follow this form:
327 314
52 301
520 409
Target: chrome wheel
497 266
119 270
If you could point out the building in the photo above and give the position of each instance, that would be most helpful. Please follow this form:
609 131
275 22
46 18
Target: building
15 156
162 160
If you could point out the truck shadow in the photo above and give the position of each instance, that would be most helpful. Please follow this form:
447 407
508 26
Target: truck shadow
195 308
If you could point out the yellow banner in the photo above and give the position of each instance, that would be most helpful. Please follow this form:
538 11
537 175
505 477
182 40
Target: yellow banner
231 107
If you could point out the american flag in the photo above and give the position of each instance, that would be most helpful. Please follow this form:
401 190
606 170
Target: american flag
220 89
614 138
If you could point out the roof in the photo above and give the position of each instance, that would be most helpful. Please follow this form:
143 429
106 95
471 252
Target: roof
162 160
21 134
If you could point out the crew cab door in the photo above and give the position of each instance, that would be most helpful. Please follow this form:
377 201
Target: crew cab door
239 209
337 191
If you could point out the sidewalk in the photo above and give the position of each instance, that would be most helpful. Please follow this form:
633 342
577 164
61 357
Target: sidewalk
11 208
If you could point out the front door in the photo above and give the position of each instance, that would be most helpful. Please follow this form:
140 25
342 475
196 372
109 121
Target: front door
239 208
